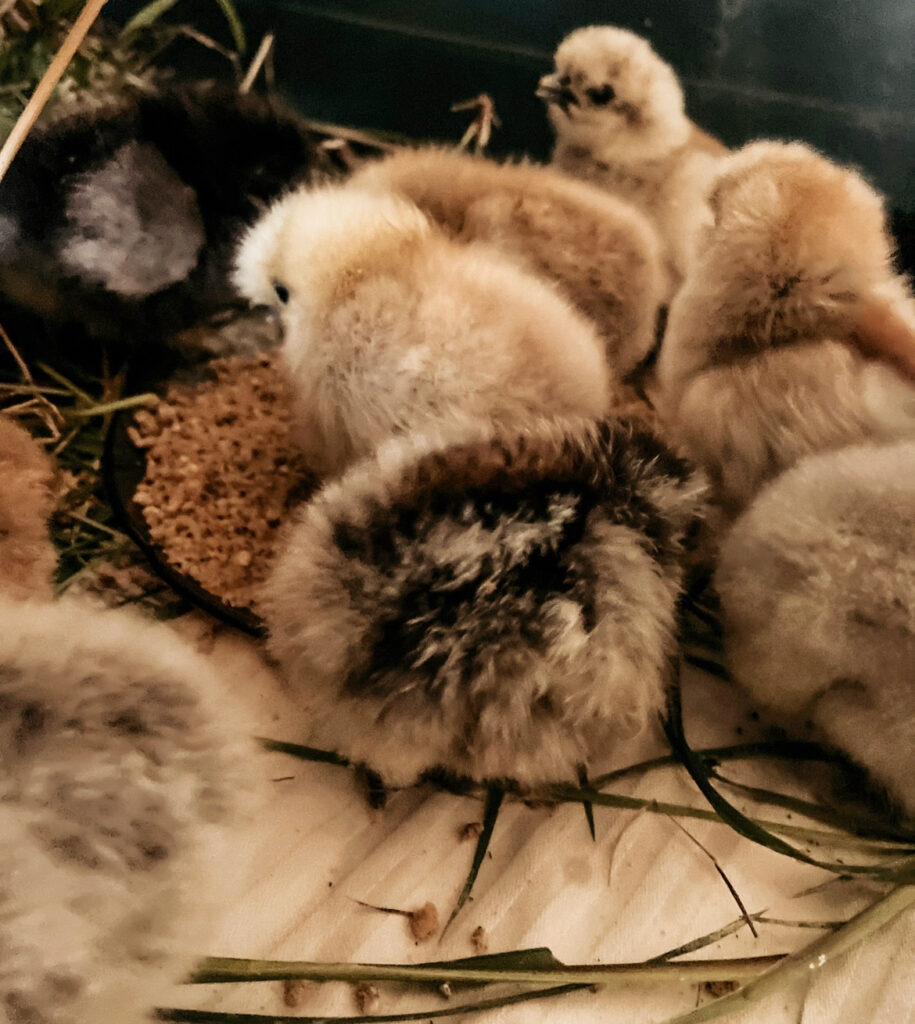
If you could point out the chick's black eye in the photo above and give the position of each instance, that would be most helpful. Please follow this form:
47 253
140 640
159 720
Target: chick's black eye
282 292
600 95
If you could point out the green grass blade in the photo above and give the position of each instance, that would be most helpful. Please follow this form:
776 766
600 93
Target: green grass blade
807 960
64 382
235 25
788 750
737 820
149 15
538 958
494 796
586 804
152 12
228 970
303 753
701 942
859 824
212 1017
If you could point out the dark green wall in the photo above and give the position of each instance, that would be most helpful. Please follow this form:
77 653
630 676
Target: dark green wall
837 73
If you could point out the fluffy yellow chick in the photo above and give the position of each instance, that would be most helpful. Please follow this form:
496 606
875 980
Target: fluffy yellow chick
390 326
27 556
603 254
618 113
792 332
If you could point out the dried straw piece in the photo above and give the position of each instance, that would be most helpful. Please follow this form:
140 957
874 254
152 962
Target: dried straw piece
49 80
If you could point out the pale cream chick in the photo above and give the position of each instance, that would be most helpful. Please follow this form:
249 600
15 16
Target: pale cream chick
603 254
619 115
817 588
791 333
391 327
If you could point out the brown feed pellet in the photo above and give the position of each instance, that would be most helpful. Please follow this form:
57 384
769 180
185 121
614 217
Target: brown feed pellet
221 475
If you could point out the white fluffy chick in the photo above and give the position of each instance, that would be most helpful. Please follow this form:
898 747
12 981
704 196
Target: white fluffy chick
501 606
817 588
603 254
119 786
390 326
791 331
620 121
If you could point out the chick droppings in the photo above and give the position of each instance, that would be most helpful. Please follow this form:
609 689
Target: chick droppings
424 922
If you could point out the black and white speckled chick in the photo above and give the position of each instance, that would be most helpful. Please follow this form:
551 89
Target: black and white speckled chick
121 225
496 606
119 787
817 587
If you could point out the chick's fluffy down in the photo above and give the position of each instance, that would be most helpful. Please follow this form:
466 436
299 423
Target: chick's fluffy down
603 254
391 327
790 334
117 788
817 587
27 556
500 606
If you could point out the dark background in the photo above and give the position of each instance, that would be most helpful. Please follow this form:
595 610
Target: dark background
839 74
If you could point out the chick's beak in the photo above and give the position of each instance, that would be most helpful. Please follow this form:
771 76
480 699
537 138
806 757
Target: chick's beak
550 91
548 88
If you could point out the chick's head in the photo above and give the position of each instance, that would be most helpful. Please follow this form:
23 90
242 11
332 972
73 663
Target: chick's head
610 91
807 228
314 244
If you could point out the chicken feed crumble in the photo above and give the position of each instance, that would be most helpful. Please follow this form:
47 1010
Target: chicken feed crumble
221 474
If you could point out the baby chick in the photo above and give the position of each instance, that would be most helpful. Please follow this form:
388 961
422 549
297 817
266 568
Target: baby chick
121 225
601 252
500 605
618 113
27 556
119 783
817 588
792 331
118 788
390 326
